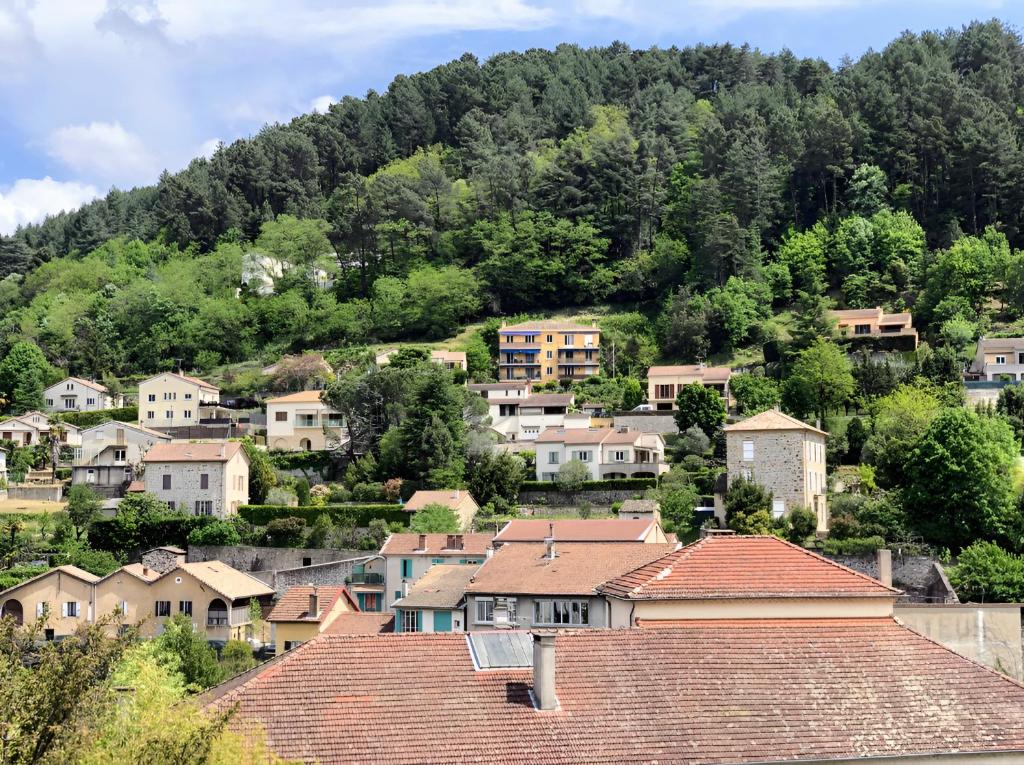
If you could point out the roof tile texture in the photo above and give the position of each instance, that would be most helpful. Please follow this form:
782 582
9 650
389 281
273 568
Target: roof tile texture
203 451
589 530
294 604
408 544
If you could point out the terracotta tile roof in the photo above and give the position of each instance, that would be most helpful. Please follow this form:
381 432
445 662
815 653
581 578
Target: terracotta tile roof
443 586
896 318
360 623
77 573
136 487
1000 344
302 397
849 314
508 385
555 325
442 355
771 420
577 568
202 451
130 426
708 374
590 530
139 571
744 567
409 544
227 581
709 693
193 380
547 399
294 604
574 435
87 383
451 498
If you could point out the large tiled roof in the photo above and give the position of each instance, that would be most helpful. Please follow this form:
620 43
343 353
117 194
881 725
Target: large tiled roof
771 420
407 544
70 570
570 530
302 397
450 498
709 374
744 567
202 451
360 623
82 381
577 568
575 435
130 426
228 581
443 586
711 692
294 604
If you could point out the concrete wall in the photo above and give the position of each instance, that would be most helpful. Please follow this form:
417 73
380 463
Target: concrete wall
248 558
646 422
37 492
988 633
324 574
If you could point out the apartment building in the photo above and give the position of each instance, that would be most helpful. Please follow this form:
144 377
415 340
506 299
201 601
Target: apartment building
303 422
73 394
607 452
784 455
204 478
548 350
407 557
111 454
663 383
999 358
172 400
873 323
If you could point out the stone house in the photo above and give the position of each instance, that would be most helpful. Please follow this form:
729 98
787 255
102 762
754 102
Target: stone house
782 454
111 455
172 400
204 478
303 422
73 394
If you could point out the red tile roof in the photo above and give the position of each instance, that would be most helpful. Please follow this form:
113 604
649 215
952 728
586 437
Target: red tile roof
708 693
360 623
590 530
294 604
301 397
744 567
771 420
199 451
407 544
577 568
708 374
450 498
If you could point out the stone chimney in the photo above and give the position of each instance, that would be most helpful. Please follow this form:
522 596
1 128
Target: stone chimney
422 543
884 558
314 604
544 671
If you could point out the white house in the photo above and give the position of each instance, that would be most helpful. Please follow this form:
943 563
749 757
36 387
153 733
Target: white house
170 399
33 428
519 415
303 422
111 455
607 452
73 394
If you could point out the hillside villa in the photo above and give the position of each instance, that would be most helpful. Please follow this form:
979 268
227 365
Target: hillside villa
303 422
874 323
607 452
663 383
172 400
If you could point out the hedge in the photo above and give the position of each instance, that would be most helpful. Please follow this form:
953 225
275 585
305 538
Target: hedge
357 515
853 546
610 484
125 540
88 419
300 460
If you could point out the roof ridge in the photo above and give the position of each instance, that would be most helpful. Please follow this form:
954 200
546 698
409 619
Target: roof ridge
831 562
681 554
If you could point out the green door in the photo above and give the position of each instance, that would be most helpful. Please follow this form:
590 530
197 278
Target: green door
442 621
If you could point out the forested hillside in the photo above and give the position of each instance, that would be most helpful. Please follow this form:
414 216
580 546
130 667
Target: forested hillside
707 188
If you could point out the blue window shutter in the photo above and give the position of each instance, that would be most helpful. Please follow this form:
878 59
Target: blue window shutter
398 620
442 621
406 567
361 597
419 621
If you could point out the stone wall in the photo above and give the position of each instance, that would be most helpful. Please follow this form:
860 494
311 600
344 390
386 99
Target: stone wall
646 422
922 579
596 497
161 560
332 573
247 558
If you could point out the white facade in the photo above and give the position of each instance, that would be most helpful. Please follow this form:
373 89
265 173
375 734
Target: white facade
73 394
169 400
607 453
522 416
303 422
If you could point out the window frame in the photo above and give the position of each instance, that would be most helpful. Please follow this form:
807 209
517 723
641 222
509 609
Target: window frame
487 605
161 606
561 612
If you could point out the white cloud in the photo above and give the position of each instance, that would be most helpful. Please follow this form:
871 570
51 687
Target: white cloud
30 200
105 151
208 148
322 103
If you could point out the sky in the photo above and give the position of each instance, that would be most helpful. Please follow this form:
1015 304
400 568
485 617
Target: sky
102 93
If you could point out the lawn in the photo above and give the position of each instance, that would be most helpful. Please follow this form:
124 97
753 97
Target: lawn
29 506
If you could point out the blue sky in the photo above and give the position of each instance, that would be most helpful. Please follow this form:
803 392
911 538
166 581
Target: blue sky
98 93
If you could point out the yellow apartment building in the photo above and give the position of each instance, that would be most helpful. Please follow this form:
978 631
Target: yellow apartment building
549 350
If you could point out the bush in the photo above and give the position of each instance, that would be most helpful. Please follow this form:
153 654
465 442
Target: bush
572 475
368 492
338 494
219 532
802 523
281 495
302 491
853 546
97 562
19 574
286 532
352 515
127 535
435 519
315 461
236 658
985 572
88 419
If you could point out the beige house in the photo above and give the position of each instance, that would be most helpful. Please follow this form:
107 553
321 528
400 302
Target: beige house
784 455
204 478
743 577
874 323
999 358
663 383
303 422
112 454
172 400
63 596
607 452
304 612
450 359
73 394
459 501
33 428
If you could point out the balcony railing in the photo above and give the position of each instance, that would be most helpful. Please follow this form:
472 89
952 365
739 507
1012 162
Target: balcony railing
366 578
519 363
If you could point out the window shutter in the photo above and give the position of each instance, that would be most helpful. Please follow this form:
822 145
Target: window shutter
63 609
40 610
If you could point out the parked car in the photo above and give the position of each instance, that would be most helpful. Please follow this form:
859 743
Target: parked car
643 408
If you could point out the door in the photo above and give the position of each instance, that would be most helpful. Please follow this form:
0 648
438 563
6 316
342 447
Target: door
442 621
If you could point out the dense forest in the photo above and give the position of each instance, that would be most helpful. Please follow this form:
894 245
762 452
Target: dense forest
705 189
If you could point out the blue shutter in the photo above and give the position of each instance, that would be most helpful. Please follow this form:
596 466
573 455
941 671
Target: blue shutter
442 621
398 620
419 621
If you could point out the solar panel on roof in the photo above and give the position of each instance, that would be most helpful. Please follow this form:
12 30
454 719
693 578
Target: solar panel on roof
501 650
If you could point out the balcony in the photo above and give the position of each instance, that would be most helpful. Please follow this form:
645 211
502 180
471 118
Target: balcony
510 345
365 578
518 363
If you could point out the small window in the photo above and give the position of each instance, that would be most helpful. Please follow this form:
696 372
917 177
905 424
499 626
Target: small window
188 396
150 415
151 397
619 456
280 416
169 414
204 480
778 508
162 608
410 621
49 402
166 482
71 609
90 401
187 414
1000 359
406 568
748 450
307 561
170 504
553 458
551 339
550 355
120 455
484 610
42 610
204 507
185 607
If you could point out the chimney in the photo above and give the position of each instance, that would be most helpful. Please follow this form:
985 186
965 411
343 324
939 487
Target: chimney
314 604
489 552
549 542
423 542
884 558
544 671
405 588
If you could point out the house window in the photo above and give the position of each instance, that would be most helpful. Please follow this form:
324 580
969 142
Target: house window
1020 358
553 458
290 644
748 450
71 609
1000 359
369 601
163 608
120 455
187 414
575 612
484 610
862 329
42 610
664 391
280 416
188 396
406 568
551 339
90 401
778 508
506 410
747 473
70 386
619 456
569 339
582 456
410 621
170 396
204 507
166 482
204 480
49 402
169 414
568 354
305 420
151 397
549 355
550 370
335 420
307 561
185 607
170 504
123 608
150 414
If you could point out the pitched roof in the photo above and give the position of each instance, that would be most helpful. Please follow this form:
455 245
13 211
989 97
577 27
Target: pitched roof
574 435
75 571
546 399
81 381
408 544
744 567
302 397
639 506
577 568
442 355
450 498
710 374
556 325
139 571
228 581
710 692
193 380
571 530
360 623
771 420
443 586
507 385
199 451
294 604
1000 343
130 426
